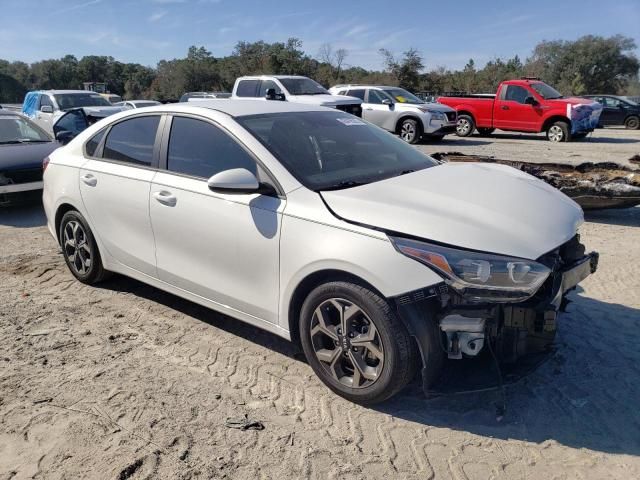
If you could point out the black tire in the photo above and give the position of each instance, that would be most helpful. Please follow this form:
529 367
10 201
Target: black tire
632 122
559 132
465 126
80 250
485 132
410 130
374 317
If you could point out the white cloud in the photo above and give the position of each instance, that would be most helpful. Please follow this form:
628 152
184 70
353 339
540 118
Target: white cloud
157 16
78 6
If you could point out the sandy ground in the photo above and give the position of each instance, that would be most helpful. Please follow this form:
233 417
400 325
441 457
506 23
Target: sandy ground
125 381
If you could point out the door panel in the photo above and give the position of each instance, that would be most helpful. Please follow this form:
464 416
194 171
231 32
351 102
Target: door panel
224 248
511 113
374 111
116 198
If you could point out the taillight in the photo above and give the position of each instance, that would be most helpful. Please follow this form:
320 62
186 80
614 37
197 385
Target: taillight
45 163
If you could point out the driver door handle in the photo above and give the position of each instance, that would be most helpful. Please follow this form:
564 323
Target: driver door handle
165 198
89 180
505 107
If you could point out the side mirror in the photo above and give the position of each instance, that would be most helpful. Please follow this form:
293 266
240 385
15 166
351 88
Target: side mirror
271 94
46 109
236 180
531 101
386 101
64 136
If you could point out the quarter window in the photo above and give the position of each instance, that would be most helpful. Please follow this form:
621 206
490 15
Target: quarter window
247 88
132 141
200 149
93 143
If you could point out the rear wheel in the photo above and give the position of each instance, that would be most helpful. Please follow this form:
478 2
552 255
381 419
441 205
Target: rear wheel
632 123
558 132
355 342
410 131
465 125
80 249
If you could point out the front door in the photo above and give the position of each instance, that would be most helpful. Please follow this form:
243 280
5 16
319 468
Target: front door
115 192
45 119
222 247
378 113
511 112
613 112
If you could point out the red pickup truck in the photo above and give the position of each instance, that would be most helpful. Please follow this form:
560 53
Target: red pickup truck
525 105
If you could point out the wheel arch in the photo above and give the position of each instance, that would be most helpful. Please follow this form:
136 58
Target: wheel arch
60 211
406 116
553 119
311 281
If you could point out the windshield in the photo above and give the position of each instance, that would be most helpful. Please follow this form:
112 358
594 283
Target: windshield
545 91
67 101
303 86
400 95
630 102
334 150
15 129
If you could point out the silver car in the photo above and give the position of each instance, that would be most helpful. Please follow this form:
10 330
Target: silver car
399 111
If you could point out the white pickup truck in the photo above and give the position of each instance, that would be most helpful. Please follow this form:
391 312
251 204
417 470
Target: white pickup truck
293 88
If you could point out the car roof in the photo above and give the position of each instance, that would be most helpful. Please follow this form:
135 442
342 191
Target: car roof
266 77
4 112
239 108
57 92
362 85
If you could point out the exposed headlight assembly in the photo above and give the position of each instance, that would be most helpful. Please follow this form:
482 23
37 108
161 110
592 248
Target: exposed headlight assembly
478 276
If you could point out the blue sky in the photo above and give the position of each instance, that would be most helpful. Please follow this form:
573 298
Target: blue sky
445 33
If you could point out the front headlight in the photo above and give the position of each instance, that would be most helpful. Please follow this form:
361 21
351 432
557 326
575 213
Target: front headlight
436 115
478 276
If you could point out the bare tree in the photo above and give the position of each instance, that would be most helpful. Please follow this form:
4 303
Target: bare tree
335 58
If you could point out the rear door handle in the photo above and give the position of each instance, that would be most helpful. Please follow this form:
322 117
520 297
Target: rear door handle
89 180
165 198
504 107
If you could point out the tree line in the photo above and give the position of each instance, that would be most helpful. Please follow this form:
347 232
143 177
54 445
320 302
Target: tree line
590 64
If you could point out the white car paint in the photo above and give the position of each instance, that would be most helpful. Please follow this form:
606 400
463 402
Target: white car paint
245 254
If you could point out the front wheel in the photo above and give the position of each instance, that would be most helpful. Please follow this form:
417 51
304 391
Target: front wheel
80 249
632 123
410 131
465 125
558 132
355 342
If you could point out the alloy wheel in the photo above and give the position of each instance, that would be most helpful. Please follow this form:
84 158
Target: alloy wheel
556 134
76 247
463 126
347 343
408 132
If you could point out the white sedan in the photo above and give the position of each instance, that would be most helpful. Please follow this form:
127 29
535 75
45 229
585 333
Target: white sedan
321 228
131 104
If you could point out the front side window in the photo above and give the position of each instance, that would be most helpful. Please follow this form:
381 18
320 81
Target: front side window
376 97
200 149
132 141
333 150
247 88
45 101
612 102
516 93
266 85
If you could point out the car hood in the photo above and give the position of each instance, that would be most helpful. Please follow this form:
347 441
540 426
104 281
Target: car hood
486 207
438 107
573 100
325 100
25 155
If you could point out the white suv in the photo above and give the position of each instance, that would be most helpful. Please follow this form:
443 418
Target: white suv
293 88
399 111
321 228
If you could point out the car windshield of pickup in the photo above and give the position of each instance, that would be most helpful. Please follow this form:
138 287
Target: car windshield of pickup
400 95
545 91
333 150
67 101
303 86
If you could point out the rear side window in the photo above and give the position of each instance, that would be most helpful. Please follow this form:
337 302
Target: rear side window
247 88
92 144
358 93
201 149
132 141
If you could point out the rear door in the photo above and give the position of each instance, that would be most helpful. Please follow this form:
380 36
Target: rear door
512 113
247 89
115 184
222 247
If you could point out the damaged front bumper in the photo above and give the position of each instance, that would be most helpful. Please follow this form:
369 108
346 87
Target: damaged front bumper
511 329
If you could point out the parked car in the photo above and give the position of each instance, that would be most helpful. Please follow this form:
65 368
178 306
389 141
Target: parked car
526 105
399 111
44 107
617 110
293 88
191 96
23 147
129 104
324 229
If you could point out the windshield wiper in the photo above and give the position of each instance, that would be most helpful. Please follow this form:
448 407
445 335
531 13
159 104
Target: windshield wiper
312 93
344 184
